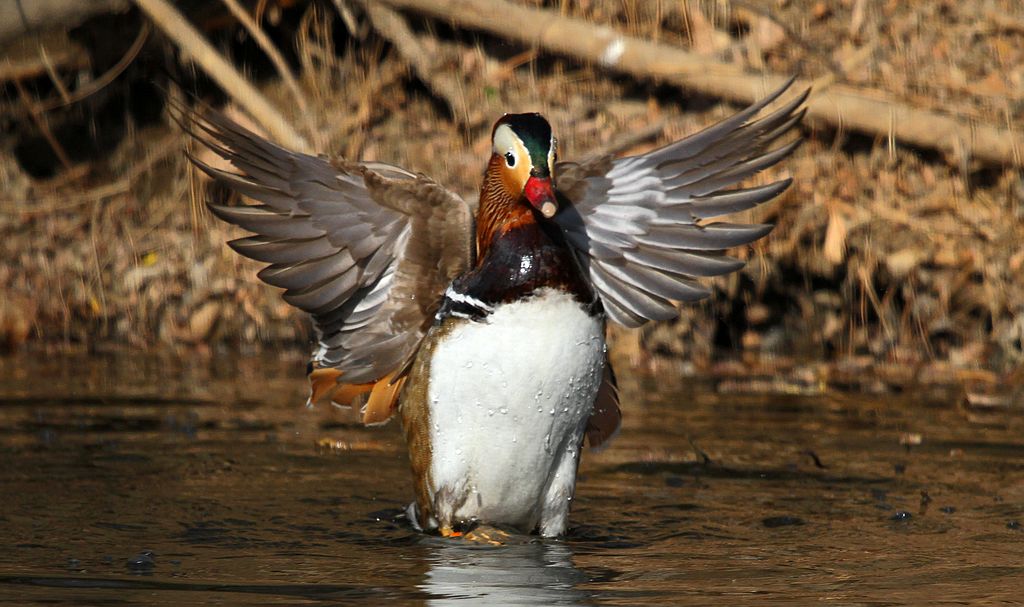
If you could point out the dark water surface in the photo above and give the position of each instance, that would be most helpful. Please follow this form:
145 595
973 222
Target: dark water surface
127 479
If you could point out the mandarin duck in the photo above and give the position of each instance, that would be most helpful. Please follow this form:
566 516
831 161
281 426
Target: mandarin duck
486 334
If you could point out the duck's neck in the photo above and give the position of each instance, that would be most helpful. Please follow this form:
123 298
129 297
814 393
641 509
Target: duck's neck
517 254
499 212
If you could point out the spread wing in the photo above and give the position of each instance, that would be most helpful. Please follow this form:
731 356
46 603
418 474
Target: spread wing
636 222
366 249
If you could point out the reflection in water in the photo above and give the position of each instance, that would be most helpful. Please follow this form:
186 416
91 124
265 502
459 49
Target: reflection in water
536 573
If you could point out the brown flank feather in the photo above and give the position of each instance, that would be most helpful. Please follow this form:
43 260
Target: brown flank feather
606 417
415 415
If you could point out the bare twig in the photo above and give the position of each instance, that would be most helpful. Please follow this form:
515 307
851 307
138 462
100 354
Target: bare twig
841 106
22 60
44 128
347 17
353 125
59 201
103 80
393 27
51 71
108 76
276 58
196 47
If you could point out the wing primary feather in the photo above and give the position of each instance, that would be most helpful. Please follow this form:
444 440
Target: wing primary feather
262 220
282 251
739 150
301 275
258 156
245 186
657 284
697 142
684 262
642 303
620 314
731 201
744 143
712 237
740 171
324 297
251 159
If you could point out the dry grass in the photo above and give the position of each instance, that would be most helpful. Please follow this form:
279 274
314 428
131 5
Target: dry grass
881 253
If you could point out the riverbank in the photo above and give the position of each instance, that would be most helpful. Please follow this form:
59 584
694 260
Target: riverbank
883 255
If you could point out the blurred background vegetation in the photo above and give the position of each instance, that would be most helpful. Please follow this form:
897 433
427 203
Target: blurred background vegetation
897 256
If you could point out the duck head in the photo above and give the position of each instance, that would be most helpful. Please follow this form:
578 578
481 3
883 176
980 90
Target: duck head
517 186
523 156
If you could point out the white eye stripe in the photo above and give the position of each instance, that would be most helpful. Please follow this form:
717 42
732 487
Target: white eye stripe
505 140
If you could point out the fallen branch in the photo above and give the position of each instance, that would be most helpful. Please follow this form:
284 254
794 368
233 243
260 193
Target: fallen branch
194 46
840 106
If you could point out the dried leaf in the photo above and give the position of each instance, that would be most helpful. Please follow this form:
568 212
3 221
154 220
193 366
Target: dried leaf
835 239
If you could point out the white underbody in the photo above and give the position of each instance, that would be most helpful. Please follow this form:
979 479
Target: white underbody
509 401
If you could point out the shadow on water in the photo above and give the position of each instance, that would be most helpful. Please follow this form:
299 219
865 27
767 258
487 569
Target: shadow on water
151 481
